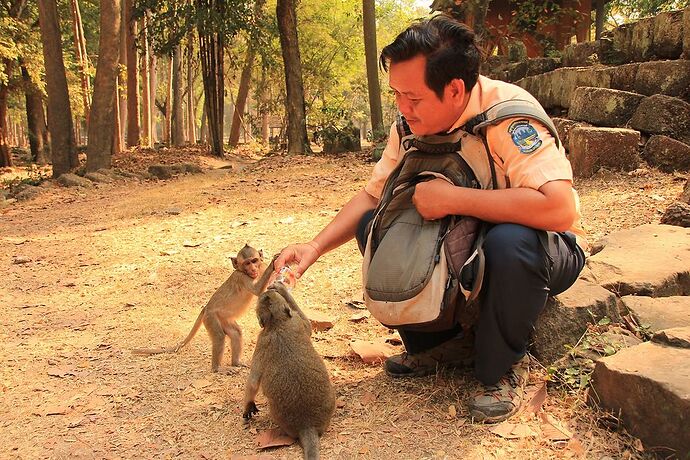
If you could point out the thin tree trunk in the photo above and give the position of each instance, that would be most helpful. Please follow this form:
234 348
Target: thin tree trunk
211 52
133 103
122 75
371 53
80 53
153 79
36 123
191 118
204 125
242 94
176 108
146 87
59 111
168 103
117 127
5 156
101 133
295 109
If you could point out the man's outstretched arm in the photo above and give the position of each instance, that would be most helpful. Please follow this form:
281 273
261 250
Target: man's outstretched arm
339 231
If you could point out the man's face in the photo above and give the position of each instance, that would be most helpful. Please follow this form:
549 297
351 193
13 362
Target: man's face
424 111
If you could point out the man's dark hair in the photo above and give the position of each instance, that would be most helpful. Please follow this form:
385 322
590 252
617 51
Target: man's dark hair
448 45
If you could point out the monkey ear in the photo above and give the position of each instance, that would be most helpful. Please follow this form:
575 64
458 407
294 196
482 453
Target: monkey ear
234 263
288 312
261 253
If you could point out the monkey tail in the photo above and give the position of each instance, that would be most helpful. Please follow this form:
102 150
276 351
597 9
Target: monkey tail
309 438
176 348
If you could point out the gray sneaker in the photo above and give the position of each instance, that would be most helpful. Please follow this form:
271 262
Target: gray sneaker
495 403
457 352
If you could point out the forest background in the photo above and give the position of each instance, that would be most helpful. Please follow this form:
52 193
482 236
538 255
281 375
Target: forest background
277 74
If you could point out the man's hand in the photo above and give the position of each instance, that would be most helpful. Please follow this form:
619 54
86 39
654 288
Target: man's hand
304 254
431 198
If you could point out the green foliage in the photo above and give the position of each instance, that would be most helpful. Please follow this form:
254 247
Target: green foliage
631 10
172 20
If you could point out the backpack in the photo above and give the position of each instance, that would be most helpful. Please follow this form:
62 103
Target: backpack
427 275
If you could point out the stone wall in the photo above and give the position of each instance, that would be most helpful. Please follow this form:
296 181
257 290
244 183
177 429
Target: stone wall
634 82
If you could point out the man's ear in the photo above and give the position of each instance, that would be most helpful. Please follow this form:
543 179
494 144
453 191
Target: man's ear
456 90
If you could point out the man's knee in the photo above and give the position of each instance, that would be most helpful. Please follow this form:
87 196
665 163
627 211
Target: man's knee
512 247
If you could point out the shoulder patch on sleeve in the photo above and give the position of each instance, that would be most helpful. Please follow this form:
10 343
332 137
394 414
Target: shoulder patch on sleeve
524 136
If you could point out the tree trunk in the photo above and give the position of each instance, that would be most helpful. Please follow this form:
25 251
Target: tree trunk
600 17
133 127
101 133
168 103
294 102
146 87
242 93
191 118
117 127
176 109
122 75
204 125
211 51
59 111
5 156
36 123
153 80
80 53
371 53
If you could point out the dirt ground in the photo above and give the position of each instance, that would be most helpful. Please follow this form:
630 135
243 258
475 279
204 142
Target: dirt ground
90 274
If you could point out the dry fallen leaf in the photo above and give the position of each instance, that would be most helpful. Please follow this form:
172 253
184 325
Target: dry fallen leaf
287 220
201 383
452 411
510 430
372 352
553 430
535 396
191 244
57 409
359 316
273 438
367 398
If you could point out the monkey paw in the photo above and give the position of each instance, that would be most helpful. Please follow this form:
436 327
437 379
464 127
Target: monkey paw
249 410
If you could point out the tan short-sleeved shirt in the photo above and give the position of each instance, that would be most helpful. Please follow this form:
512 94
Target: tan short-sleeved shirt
525 154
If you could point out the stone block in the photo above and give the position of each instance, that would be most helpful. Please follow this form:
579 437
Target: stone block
659 312
538 66
678 337
623 76
671 78
648 260
565 318
677 213
685 194
603 106
686 33
593 148
649 386
563 126
660 114
72 180
668 34
667 154
99 178
581 54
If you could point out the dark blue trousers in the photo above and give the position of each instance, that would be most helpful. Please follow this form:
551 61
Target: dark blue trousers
524 267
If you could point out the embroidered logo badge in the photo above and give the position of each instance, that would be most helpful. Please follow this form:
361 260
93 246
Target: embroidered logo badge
524 136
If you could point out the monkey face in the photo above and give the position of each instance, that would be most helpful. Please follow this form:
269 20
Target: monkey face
272 308
249 261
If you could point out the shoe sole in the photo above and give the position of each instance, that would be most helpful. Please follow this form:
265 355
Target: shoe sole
480 417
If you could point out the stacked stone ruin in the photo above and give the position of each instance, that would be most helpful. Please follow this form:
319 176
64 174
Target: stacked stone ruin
621 103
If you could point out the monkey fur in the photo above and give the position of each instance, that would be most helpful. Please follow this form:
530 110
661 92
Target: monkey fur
230 301
290 372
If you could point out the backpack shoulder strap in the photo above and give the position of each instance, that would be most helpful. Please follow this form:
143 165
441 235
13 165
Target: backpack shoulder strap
511 109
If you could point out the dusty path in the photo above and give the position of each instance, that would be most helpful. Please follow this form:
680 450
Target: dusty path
128 265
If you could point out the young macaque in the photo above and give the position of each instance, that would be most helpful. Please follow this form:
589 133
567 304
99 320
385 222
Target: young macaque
227 304
292 375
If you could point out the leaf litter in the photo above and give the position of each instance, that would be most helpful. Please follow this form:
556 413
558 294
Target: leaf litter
172 405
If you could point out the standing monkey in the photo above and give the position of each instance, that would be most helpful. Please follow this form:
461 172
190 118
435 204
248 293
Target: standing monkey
227 304
292 375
